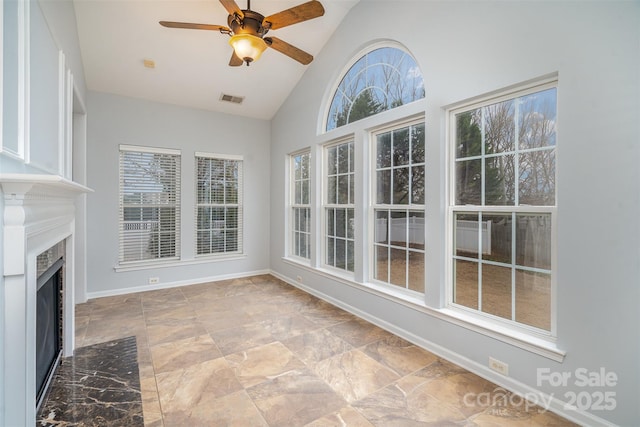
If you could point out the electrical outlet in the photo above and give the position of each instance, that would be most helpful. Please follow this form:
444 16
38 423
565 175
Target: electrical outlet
499 366
154 280
299 279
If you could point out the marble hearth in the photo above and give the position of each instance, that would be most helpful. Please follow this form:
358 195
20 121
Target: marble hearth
38 213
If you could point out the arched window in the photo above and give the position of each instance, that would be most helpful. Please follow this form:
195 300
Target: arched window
382 79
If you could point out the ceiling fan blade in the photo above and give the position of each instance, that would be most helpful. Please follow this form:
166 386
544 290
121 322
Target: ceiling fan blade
291 51
303 12
191 26
235 60
232 8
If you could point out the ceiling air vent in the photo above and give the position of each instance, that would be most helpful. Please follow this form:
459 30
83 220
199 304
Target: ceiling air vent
230 98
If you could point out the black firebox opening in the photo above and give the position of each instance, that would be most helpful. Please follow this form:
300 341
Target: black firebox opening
48 326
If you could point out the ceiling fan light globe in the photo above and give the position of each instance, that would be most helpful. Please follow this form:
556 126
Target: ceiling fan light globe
247 47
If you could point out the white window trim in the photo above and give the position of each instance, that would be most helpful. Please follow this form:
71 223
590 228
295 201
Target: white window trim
240 205
473 319
150 263
290 194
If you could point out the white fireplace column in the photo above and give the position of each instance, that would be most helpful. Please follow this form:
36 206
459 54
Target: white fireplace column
39 212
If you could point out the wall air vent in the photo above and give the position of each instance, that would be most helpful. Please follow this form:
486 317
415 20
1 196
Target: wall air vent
230 98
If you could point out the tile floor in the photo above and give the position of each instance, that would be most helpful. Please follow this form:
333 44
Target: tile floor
259 352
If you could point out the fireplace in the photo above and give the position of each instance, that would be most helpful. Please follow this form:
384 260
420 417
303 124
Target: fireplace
39 225
49 316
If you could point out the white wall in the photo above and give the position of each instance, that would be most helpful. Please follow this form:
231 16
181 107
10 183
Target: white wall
115 120
466 49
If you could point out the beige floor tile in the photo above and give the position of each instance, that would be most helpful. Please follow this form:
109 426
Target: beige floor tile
358 332
194 389
160 332
316 346
354 375
399 355
347 416
232 410
182 353
294 399
263 363
286 326
234 340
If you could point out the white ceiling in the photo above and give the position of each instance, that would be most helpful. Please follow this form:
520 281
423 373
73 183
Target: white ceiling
192 69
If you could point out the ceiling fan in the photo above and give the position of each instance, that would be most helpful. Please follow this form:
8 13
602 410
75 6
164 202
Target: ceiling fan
248 28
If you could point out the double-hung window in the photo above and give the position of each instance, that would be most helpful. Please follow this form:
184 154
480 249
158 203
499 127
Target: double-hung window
149 204
398 208
300 205
339 206
503 206
218 204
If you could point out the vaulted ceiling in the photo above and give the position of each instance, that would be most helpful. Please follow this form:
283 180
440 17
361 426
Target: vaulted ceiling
191 66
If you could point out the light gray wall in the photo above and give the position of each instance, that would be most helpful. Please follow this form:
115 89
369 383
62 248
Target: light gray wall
466 49
115 120
53 27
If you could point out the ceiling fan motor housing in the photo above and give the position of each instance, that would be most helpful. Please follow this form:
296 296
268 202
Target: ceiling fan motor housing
250 24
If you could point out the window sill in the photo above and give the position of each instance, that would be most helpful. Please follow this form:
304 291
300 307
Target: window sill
176 263
523 340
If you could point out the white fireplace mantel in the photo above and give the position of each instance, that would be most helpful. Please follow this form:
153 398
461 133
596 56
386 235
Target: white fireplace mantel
38 212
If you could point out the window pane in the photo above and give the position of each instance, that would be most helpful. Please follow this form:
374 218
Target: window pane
468 134
341 223
398 228
383 156
343 189
416 230
466 229
533 241
497 232
533 299
341 254
468 182
383 183
381 227
398 266
499 185
343 158
332 190
382 79
331 227
401 147
297 167
332 160
416 271
538 119
381 269
352 192
350 224
401 186
538 178
417 185
417 143
305 166
330 251
499 127
496 290
305 192
350 255
298 193
466 283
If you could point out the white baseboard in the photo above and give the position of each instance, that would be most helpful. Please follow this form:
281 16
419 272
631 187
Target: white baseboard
550 402
167 285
